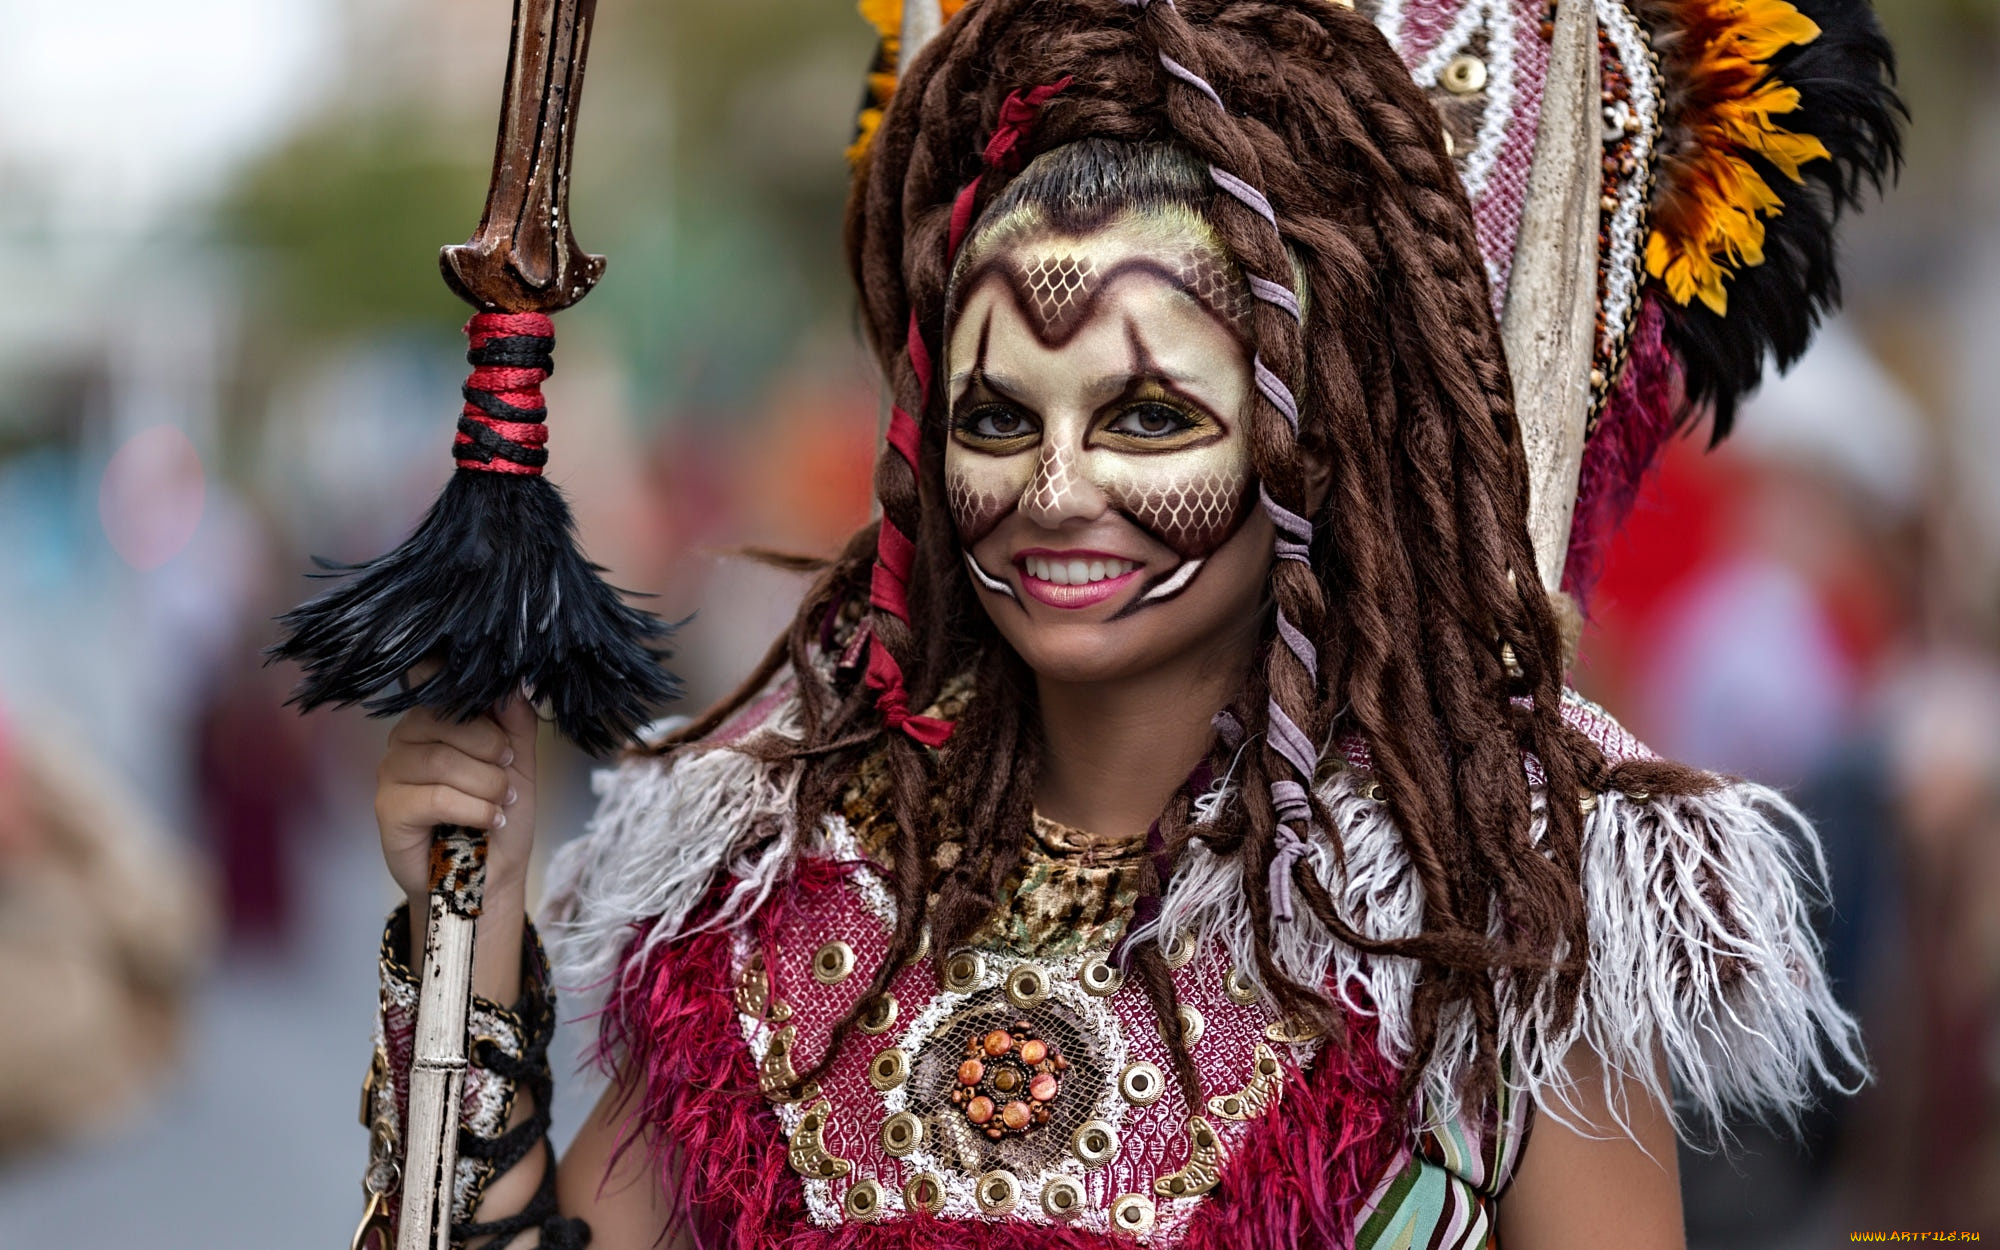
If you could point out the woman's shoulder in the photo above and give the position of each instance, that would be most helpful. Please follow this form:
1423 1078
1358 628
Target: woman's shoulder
1700 891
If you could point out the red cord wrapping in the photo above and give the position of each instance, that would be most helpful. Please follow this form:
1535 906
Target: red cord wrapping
502 428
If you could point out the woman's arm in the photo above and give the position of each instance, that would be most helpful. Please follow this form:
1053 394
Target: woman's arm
623 1203
482 773
1577 1192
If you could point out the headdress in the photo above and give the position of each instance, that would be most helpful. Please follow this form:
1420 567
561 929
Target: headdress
1654 184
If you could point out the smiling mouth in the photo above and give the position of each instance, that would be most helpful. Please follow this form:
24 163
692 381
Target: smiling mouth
1074 579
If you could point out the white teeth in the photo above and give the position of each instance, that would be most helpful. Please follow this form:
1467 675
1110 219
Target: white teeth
1075 572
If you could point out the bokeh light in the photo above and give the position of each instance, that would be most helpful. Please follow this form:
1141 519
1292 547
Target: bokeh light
151 496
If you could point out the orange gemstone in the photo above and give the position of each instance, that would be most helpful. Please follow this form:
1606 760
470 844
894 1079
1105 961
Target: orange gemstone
979 1110
999 1042
1033 1052
970 1071
1043 1087
1015 1115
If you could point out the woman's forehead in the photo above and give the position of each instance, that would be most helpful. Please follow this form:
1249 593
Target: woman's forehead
1059 281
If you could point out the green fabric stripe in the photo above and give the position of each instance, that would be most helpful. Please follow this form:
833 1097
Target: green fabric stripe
1419 1207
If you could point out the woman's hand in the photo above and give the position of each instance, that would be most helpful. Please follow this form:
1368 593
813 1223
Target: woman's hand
480 774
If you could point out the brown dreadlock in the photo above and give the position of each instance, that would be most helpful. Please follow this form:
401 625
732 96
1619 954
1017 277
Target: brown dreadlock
1403 397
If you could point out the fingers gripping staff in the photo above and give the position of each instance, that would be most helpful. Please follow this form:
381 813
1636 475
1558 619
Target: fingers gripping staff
492 585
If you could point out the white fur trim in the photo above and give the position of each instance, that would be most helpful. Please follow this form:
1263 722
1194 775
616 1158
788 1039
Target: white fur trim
1701 943
1701 949
663 830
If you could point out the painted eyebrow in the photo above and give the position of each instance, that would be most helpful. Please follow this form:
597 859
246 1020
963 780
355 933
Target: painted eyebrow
1101 391
1145 369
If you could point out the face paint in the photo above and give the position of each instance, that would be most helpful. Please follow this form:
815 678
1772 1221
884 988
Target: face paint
1058 284
1101 372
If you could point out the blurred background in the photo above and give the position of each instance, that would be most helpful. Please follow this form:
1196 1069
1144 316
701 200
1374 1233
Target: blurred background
226 349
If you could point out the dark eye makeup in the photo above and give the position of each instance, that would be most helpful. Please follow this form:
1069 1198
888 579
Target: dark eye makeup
1147 419
995 426
1152 419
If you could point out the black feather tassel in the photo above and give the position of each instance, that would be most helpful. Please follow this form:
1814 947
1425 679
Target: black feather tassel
493 586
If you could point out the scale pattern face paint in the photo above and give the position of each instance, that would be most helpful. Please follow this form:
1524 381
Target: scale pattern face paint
1190 500
1058 291
1068 296
1055 487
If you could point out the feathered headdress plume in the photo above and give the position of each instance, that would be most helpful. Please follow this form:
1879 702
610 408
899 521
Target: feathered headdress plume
1775 117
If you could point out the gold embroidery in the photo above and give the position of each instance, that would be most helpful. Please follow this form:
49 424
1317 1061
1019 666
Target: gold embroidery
1132 1214
964 971
1293 1032
832 963
1062 1198
1141 1084
864 1199
1094 1143
924 1191
1100 978
775 1077
996 1192
889 1069
1267 1082
807 1152
1072 892
880 1016
902 1133
753 994
1238 987
1192 1026
1204 1166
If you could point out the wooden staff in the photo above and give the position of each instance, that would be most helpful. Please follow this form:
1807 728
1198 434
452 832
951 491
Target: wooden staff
522 258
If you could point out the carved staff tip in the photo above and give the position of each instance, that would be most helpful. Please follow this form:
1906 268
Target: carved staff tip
523 257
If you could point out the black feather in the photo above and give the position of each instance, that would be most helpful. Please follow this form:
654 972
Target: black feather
1847 99
492 584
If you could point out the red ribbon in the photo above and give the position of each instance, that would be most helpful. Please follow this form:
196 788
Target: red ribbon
1018 114
904 435
889 580
885 675
1017 117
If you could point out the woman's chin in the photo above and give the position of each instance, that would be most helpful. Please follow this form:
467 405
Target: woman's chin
1083 653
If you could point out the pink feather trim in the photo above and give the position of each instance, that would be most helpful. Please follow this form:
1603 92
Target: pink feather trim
1644 410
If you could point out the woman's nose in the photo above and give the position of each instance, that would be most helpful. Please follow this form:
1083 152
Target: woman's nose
1058 491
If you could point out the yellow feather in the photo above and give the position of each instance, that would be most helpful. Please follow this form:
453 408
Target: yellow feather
886 16
1721 226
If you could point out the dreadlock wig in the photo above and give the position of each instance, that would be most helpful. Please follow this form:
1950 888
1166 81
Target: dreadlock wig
1419 857
1377 355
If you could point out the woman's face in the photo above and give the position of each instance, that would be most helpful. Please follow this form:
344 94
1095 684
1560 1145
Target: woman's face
1098 467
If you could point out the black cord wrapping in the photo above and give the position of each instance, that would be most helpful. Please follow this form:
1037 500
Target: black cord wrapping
494 428
530 1074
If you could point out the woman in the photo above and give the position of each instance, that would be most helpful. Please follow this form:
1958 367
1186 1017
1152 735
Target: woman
1169 821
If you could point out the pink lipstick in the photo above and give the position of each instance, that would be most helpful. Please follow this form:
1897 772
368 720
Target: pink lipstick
1074 578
